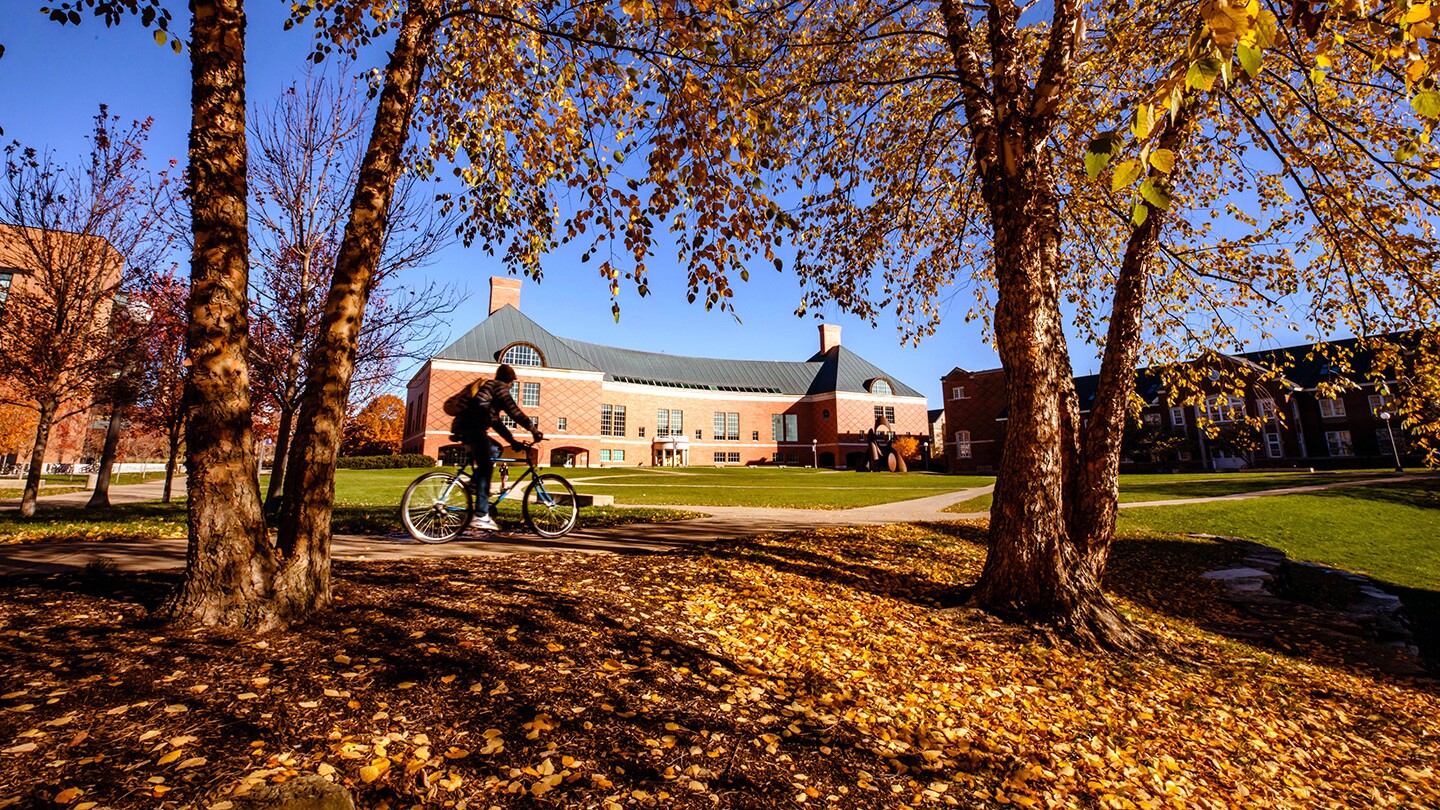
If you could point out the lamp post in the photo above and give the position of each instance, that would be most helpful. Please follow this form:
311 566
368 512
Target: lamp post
815 451
1395 449
925 454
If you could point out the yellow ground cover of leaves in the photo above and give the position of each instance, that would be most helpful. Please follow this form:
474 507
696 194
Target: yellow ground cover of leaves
825 669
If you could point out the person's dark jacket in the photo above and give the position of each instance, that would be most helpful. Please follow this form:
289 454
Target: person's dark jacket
477 408
500 400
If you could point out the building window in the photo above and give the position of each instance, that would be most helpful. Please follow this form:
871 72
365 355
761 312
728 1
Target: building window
507 421
958 392
732 458
719 458
617 455
522 354
1382 440
1151 419
1177 416
640 431
1273 446
530 396
881 388
963 448
698 433
561 424
612 420
825 414
886 412
1378 402
727 427
1331 408
1338 441
5 279
784 427
1266 408
1224 408
754 435
669 423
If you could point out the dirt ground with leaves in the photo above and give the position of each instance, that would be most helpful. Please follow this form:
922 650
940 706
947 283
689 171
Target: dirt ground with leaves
825 669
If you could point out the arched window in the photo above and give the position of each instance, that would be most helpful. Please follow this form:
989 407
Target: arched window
522 354
881 388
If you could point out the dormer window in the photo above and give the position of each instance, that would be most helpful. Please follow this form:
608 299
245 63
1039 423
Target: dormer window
881 387
522 354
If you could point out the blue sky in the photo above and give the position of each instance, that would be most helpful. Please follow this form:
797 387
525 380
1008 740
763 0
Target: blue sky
52 79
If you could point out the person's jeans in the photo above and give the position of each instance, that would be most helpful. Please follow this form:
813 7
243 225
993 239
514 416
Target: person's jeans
484 454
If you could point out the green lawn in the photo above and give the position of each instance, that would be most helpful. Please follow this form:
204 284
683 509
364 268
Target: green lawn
1388 531
365 503
791 487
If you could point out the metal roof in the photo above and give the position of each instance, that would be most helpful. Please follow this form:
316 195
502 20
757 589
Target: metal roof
837 370
508 325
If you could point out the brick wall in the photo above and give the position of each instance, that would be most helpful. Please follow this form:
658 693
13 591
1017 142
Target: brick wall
577 397
984 399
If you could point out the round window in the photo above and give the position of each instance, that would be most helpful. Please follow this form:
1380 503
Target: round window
522 354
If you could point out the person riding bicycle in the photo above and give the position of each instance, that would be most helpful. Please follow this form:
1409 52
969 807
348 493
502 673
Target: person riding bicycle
477 409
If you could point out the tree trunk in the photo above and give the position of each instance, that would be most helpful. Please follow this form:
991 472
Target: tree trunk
230 563
170 461
100 499
304 538
43 424
282 453
1035 569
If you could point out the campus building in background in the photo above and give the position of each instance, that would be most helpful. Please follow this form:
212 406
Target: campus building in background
607 406
44 273
1289 421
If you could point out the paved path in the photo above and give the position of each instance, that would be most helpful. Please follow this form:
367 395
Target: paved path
121 493
723 523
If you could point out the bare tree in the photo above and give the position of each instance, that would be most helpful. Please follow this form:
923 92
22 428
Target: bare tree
161 355
76 238
305 153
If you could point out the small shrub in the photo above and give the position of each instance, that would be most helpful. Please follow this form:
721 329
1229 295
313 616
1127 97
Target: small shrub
405 460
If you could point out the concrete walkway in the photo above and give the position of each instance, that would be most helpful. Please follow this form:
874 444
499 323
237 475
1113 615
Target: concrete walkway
723 523
121 493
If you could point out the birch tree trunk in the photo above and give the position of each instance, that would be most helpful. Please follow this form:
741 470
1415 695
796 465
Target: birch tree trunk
230 563
44 421
100 498
303 584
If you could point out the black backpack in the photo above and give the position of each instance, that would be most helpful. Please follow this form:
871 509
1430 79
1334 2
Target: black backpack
471 412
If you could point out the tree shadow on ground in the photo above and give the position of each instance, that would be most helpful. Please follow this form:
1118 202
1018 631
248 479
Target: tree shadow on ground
1162 575
852 567
553 657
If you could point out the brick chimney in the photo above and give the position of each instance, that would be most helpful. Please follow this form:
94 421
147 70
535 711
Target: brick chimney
829 336
505 290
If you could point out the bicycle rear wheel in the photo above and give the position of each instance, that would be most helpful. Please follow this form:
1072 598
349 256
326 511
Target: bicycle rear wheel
436 507
550 507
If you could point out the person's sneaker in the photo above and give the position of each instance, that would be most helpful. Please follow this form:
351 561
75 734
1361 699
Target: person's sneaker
483 523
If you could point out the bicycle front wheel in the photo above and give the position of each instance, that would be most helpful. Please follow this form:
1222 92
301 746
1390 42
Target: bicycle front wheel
550 507
436 507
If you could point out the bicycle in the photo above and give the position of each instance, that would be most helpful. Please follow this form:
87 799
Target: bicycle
437 506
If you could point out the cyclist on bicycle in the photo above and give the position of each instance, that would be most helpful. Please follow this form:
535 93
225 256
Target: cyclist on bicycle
476 409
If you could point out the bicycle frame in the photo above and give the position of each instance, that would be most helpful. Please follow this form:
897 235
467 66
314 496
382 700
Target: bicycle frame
504 491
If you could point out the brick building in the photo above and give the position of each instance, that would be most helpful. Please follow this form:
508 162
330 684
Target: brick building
56 277
607 406
1288 421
